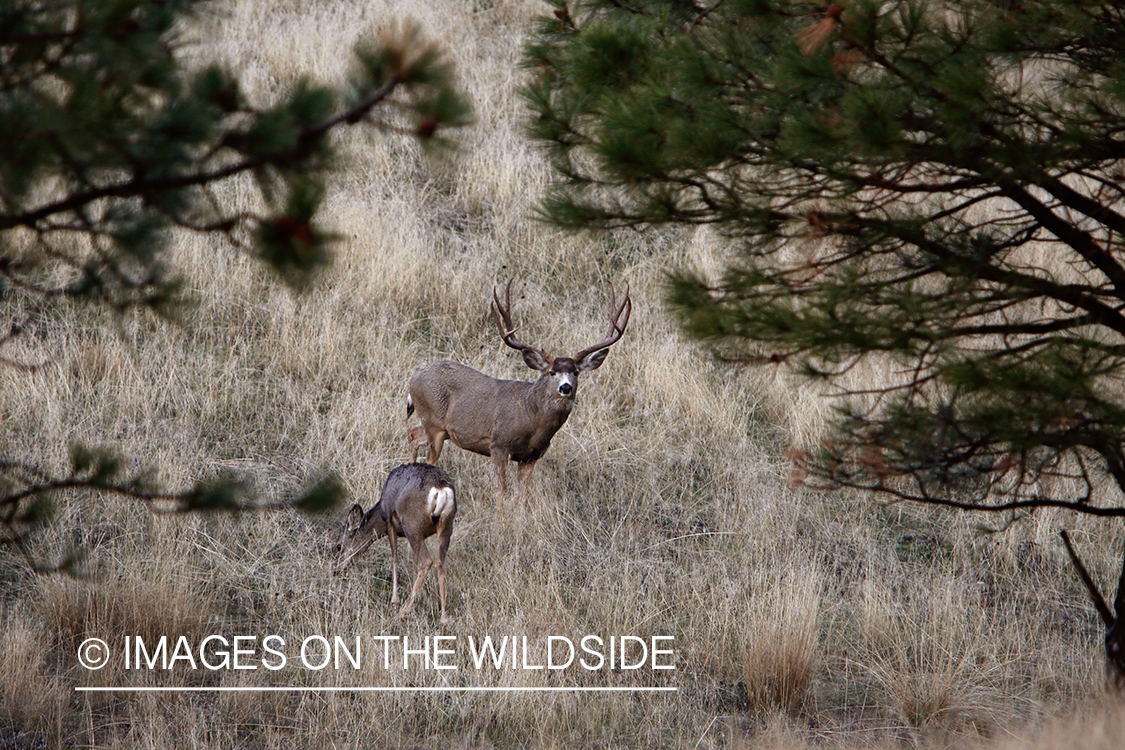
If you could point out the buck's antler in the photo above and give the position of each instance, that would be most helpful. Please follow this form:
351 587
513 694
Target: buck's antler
616 325
501 313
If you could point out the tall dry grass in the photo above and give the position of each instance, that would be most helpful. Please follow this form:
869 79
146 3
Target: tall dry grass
661 508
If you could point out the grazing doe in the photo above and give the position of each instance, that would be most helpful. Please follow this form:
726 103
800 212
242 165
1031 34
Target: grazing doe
418 502
508 420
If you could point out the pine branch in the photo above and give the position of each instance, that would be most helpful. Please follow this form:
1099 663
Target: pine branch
143 186
1091 588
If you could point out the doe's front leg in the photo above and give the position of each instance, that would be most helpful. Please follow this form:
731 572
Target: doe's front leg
394 566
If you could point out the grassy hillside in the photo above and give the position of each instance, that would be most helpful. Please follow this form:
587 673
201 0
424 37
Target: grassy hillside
663 507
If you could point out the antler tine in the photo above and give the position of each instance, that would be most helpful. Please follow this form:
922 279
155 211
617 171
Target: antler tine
502 315
626 306
616 324
500 311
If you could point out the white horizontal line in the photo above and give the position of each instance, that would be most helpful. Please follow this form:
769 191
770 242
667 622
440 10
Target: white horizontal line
302 689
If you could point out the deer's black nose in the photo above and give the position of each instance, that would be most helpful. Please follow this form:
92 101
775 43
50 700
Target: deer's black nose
565 389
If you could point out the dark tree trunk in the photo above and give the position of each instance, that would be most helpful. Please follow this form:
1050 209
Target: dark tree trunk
1115 630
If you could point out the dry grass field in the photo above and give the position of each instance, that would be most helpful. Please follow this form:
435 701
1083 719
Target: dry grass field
663 507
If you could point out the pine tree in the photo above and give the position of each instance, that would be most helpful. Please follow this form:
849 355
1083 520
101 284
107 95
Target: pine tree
110 143
936 187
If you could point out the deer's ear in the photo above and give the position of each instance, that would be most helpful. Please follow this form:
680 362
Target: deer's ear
592 361
355 518
536 361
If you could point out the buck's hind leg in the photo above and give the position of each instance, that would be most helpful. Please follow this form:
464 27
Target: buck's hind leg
417 438
436 440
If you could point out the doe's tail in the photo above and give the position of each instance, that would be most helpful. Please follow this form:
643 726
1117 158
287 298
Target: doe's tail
441 502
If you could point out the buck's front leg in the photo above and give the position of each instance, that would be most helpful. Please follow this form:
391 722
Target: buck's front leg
524 478
500 460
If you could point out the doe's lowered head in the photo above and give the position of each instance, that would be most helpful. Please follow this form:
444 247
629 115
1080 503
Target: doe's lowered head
357 533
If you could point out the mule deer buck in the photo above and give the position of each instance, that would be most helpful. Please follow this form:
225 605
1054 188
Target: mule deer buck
508 420
417 502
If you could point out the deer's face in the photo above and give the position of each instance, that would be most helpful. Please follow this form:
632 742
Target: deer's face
564 374
563 371
355 537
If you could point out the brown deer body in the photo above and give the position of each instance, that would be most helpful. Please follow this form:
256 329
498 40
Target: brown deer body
508 420
417 502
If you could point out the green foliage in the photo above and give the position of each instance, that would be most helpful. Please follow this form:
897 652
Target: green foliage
402 58
933 187
289 243
322 496
112 144
223 493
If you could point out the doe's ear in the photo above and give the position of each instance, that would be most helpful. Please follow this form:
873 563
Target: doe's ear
592 361
536 361
355 518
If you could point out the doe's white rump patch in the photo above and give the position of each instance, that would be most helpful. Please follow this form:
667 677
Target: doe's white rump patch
440 500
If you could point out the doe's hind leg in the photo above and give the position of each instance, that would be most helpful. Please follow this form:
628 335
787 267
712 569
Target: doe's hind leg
444 534
422 561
